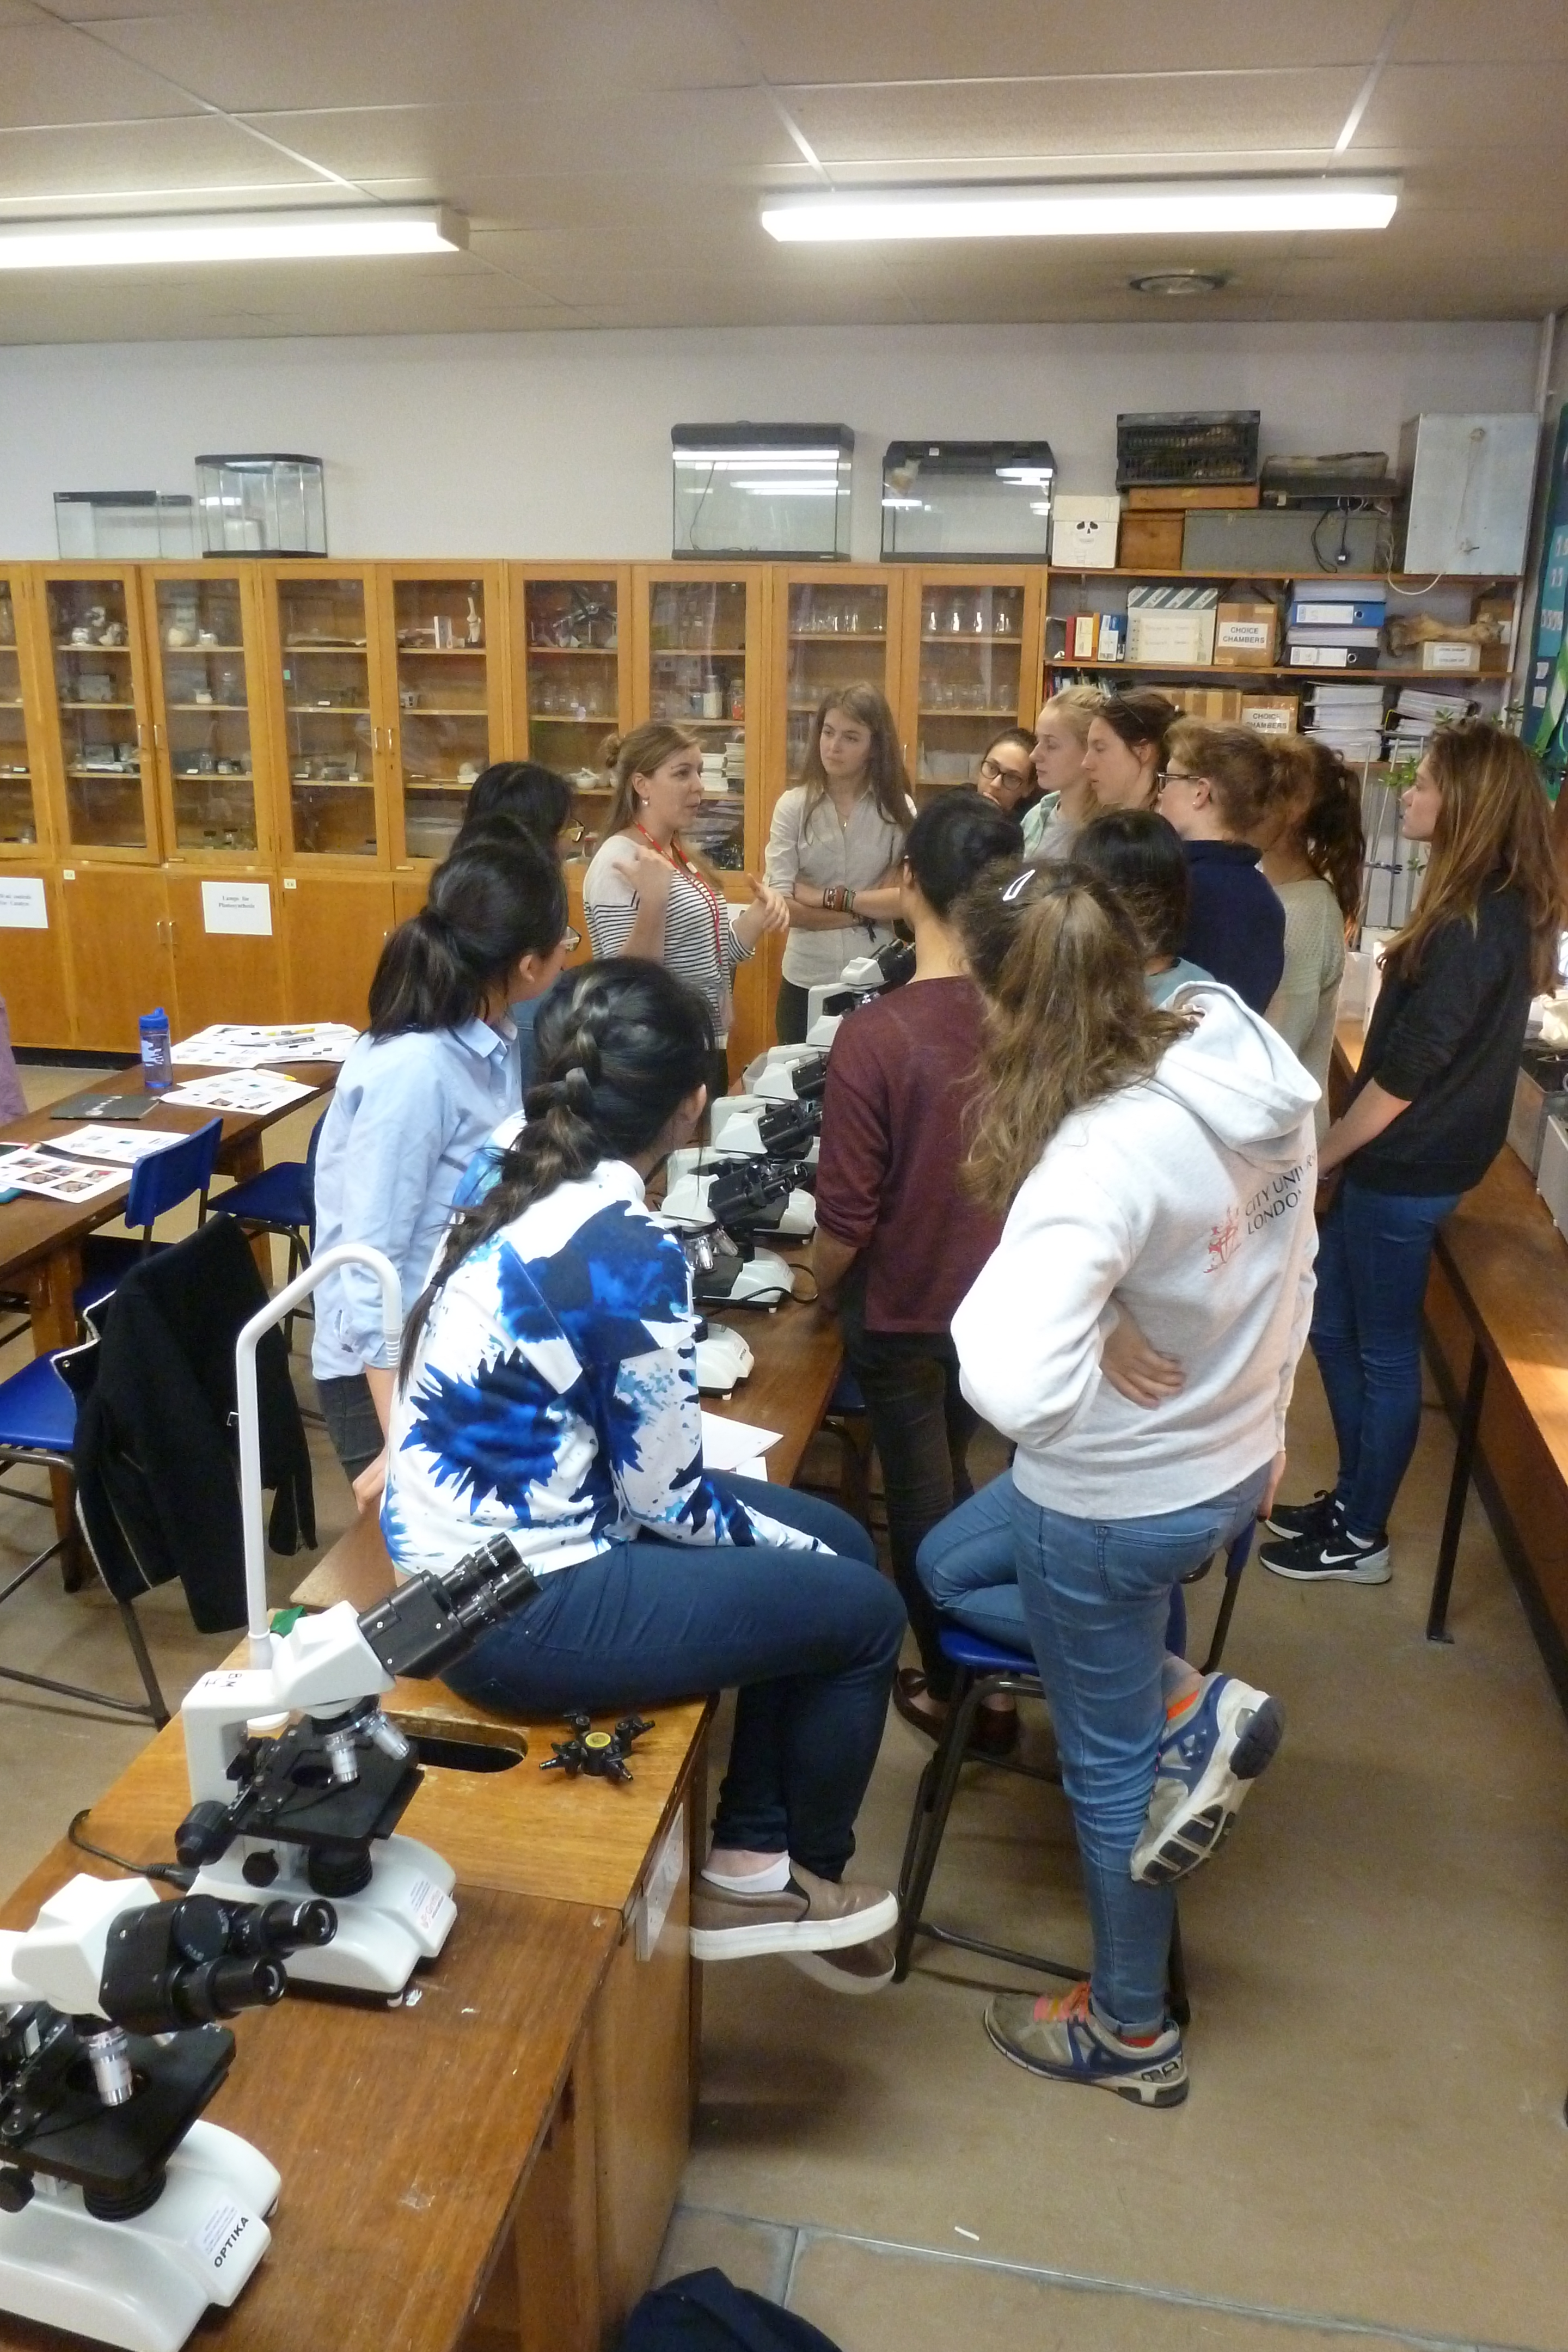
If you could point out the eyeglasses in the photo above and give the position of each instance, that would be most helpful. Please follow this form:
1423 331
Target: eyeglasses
994 774
1172 776
571 940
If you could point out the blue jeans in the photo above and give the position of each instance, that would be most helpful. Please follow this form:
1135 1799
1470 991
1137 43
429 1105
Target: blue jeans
810 1638
969 1568
1097 1600
1373 1251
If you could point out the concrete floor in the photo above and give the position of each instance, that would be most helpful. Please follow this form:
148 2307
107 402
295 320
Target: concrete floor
1374 2141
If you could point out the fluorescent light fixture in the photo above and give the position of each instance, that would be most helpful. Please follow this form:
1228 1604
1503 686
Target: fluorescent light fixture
184 238
1086 208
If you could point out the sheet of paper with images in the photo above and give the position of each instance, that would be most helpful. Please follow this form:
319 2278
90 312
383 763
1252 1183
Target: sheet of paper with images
66 1181
236 1045
113 1146
241 1090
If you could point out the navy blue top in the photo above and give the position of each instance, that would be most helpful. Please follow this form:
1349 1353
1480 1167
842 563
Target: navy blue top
1236 919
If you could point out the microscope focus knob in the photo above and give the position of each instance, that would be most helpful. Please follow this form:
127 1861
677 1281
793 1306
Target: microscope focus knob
15 2189
260 1868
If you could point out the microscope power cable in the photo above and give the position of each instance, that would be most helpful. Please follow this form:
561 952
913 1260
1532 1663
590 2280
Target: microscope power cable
170 1873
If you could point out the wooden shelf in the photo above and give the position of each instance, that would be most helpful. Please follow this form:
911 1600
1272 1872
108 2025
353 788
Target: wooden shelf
434 710
442 653
697 653
574 653
1008 710
730 726
93 649
178 651
200 776
329 785
1412 581
974 637
98 706
326 709
590 718
838 636
108 775
202 706
434 785
1341 677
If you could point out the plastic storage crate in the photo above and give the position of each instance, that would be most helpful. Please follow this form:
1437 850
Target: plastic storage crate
1168 449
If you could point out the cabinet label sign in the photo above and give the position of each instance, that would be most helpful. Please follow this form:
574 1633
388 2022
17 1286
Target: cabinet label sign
22 906
245 908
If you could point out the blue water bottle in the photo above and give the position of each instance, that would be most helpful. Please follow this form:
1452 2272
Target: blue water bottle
157 1062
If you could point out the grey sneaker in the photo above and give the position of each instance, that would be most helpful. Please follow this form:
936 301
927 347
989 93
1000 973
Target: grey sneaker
1059 2036
1207 1763
809 1914
859 1968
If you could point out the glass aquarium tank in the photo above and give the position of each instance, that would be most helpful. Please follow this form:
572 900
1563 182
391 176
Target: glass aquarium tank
761 489
125 526
986 500
274 504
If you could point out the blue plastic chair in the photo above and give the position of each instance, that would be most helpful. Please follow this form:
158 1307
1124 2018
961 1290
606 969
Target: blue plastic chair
159 1183
984 1670
282 1201
37 1429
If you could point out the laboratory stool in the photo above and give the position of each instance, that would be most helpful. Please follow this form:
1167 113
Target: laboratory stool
159 1181
984 1670
37 1428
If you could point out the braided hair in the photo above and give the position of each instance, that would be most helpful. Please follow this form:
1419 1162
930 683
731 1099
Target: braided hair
618 1045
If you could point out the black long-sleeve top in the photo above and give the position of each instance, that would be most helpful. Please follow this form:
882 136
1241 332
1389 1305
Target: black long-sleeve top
1447 1040
1236 919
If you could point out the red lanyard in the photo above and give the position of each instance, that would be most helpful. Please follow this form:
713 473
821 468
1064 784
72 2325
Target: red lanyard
675 856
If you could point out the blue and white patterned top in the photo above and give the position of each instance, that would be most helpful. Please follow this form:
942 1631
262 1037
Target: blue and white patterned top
554 1396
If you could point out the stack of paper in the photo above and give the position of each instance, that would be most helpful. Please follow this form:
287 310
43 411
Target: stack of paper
737 1446
1419 710
249 1091
1349 719
114 1146
236 1045
22 1170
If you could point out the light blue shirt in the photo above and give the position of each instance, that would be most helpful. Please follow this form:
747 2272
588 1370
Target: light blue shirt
1163 985
408 1114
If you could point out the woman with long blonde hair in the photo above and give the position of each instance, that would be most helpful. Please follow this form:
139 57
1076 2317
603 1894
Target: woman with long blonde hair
647 893
1061 734
1427 1117
836 843
1157 1165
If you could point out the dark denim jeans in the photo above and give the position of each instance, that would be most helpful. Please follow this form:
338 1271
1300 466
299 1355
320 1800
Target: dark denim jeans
1374 1250
921 1426
810 1638
352 1423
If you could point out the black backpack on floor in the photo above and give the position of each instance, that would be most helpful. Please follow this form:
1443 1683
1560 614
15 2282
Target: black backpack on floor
706 2312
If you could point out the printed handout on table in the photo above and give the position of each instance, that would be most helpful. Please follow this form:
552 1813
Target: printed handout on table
236 1045
257 1091
113 1145
70 1180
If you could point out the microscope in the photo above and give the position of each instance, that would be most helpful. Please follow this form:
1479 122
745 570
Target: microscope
122 2214
297 1780
862 979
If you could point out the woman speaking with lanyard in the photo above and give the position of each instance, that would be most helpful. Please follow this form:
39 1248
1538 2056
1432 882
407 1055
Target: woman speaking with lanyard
646 894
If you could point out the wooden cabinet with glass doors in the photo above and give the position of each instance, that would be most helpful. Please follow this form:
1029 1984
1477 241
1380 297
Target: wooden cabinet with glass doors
23 824
572 669
972 664
93 684
209 722
699 663
445 663
839 628
331 749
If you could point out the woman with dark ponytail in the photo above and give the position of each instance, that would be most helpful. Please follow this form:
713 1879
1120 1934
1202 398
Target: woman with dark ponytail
548 1393
432 1075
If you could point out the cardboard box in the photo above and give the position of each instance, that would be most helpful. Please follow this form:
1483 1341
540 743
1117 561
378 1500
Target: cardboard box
1150 542
1217 706
1172 627
1083 531
1459 657
1083 636
1182 497
1245 634
1271 714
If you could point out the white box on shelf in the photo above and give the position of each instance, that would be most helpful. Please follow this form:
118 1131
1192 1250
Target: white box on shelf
1457 654
1083 531
1171 627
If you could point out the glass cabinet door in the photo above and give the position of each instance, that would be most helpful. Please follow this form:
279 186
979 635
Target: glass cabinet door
970 676
444 704
697 644
329 742
201 663
838 636
572 672
18 787
94 665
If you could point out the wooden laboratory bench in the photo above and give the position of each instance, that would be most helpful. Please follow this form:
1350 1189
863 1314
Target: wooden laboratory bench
1496 1339
437 2157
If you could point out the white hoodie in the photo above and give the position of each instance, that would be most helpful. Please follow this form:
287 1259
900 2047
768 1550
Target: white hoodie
1188 1200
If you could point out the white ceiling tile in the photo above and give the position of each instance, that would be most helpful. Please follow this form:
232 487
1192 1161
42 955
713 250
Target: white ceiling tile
438 52
1504 32
865 40
139 165
1114 117
690 132
49 74
1466 106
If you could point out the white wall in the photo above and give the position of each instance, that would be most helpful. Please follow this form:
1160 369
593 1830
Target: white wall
558 445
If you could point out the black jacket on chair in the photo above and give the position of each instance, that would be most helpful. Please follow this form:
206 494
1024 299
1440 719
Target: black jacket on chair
157 1439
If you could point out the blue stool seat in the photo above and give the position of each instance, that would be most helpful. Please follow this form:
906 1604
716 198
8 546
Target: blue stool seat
38 1412
277 1197
846 1396
978 1657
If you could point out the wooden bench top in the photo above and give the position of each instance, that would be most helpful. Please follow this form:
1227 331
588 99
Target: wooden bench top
404 2135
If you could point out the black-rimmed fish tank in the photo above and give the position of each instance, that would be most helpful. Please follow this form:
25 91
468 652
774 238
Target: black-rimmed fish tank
989 500
779 491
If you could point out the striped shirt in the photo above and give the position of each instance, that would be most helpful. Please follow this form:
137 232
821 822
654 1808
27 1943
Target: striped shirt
696 950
